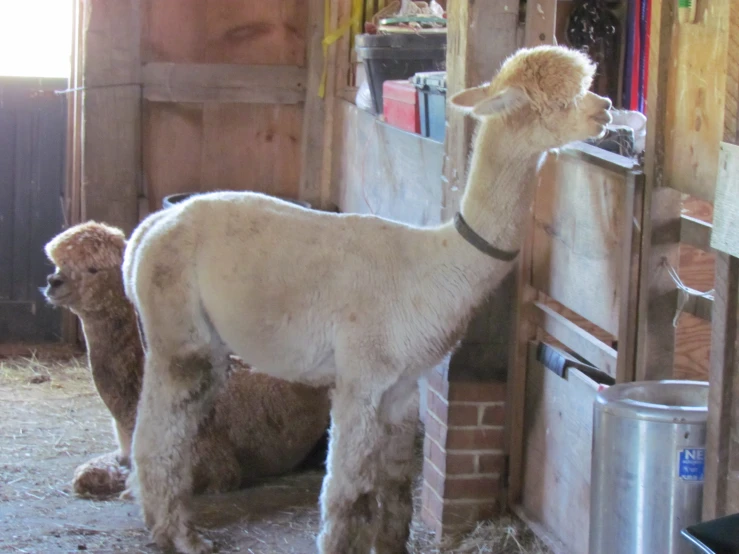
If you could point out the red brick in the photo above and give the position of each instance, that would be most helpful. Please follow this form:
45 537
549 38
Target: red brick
460 464
494 415
491 463
436 430
474 439
433 479
477 392
467 514
437 405
434 453
477 487
466 415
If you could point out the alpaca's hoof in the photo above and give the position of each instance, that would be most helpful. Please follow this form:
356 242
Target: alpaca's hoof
191 542
101 476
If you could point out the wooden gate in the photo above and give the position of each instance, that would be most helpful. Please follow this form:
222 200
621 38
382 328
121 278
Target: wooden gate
32 149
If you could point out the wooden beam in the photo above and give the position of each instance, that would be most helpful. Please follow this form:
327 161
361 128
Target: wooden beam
111 104
541 22
724 381
311 147
695 232
257 84
694 102
661 221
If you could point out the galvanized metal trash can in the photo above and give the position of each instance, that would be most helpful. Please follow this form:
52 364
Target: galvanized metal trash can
649 443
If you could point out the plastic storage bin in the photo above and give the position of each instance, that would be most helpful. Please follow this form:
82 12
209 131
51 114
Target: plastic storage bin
431 87
399 56
718 536
400 105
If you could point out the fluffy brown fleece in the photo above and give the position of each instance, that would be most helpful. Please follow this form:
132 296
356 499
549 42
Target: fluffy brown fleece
259 426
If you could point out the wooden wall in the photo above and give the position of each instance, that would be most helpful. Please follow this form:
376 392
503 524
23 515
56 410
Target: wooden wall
218 131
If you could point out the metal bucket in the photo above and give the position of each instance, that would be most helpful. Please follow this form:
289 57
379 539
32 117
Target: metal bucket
173 199
647 467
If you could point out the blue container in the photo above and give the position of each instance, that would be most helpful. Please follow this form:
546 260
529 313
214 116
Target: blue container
431 87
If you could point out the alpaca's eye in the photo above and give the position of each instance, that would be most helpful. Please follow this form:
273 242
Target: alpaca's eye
92 270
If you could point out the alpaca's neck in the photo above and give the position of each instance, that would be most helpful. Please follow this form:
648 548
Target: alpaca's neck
500 185
116 356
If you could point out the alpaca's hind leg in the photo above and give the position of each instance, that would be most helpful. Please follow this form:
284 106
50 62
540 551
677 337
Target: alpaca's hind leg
348 495
396 471
176 393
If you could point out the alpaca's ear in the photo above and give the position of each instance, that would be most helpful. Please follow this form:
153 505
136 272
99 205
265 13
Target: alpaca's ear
505 101
466 100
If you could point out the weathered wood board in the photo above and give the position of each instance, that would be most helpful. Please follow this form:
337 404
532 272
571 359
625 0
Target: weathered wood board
558 430
382 170
578 222
725 236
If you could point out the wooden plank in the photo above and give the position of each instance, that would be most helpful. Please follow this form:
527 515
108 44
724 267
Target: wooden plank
386 171
695 99
541 22
628 290
695 232
267 84
111 170
598 353
731 113
725 236
722 394
224 31
22 205
311 144
7 207
578 238
558 429
524 331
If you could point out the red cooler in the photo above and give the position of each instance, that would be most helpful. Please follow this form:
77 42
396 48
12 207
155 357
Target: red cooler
400 105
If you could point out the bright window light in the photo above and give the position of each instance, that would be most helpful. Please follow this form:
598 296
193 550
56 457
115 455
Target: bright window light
35 38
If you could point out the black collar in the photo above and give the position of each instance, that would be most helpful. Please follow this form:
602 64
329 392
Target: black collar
480 243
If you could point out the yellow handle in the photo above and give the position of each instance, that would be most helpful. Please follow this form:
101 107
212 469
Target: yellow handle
336 34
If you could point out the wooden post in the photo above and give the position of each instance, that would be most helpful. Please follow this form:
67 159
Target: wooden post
314 114
661 232
111 118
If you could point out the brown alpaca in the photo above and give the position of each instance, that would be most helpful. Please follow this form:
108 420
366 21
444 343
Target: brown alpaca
259 426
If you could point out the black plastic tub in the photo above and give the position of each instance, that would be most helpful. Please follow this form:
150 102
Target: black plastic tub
173 199
717 536
399 56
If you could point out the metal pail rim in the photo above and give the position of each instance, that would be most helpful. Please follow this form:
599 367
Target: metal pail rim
672 401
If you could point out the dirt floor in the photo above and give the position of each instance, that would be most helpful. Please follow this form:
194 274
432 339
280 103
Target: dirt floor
52 420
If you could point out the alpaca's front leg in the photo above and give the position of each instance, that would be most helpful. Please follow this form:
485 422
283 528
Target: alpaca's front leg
396 471
348 497
176 394
124 437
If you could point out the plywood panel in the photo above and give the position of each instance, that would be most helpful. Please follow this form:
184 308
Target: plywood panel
203 147
252 147
225 31
692 348
558 428
725 236
578 220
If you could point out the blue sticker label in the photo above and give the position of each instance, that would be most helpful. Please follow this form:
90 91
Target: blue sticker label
690 464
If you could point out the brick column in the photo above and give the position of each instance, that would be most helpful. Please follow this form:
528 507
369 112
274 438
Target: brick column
463 452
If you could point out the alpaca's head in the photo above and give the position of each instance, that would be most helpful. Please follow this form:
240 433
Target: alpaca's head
541 95
88 261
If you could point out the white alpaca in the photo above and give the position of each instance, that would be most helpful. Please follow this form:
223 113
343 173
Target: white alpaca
359 302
